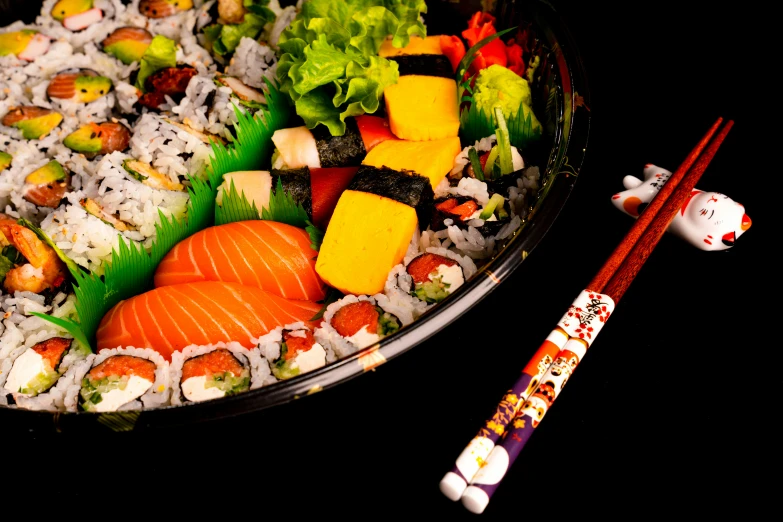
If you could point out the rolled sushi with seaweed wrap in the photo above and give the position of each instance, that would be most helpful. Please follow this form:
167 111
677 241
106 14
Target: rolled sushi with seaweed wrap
353 323
120 379
297 147
200 373
292 350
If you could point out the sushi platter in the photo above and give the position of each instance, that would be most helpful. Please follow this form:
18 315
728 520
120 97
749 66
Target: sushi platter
208 208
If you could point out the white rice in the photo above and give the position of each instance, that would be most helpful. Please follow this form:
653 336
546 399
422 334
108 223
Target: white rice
252 62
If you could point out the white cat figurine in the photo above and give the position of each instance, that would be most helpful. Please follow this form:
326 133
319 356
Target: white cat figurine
707 220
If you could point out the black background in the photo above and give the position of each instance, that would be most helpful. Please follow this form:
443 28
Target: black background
674 411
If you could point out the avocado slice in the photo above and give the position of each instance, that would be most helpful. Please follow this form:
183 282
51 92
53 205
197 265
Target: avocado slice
36 128
127 51
5 160
15 42
84 139
49 173
149 176
66 8
90 88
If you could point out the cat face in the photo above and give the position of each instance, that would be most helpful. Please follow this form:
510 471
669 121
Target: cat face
711 220
707 220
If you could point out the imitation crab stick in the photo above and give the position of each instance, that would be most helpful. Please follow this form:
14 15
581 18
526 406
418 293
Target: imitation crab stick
272 256
169 318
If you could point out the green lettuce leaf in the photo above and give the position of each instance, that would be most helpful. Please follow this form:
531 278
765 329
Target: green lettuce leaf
328 56
231 34
161 53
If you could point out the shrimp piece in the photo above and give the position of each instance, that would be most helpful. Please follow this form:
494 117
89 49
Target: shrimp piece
43 271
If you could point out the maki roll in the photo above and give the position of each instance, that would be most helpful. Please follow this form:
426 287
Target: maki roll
434 276
371 228
298 147
121 379
466 211
292 350
200 373
42 374
422 280
353 323
36 369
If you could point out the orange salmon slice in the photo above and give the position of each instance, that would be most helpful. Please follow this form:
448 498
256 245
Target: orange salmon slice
169 318
272 256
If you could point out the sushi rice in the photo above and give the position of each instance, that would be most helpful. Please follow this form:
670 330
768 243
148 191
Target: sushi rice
171 141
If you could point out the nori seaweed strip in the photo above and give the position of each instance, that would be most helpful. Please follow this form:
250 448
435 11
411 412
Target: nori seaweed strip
406 187
296 183
424 65
340 151
501 184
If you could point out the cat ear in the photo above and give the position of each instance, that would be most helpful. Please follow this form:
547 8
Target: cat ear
630 182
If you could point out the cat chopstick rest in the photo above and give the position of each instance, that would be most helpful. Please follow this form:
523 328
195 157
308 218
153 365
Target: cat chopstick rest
707 220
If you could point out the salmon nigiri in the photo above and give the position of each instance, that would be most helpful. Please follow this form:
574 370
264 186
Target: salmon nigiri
269 255
169 318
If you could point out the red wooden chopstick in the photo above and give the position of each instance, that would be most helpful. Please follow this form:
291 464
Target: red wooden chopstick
476 452
582 323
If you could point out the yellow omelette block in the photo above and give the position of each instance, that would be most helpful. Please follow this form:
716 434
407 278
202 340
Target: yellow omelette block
367 236
422 107
433 159
416 45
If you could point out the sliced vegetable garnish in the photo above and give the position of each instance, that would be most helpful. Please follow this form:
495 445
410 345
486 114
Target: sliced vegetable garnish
492 157
491 205
504 144
476 163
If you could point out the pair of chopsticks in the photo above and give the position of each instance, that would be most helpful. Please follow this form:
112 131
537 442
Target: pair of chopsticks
481 466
